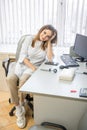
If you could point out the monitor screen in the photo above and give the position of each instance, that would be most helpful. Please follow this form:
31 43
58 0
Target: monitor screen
80 46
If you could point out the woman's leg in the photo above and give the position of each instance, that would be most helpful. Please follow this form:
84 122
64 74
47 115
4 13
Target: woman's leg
22 80
20 110
12 81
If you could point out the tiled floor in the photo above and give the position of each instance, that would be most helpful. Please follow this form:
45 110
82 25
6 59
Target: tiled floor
7 122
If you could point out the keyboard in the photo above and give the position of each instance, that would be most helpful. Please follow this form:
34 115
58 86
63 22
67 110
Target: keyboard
69 61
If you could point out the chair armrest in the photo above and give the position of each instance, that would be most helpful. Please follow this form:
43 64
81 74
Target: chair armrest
5 64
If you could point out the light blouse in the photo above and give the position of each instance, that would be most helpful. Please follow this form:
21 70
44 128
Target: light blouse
35 55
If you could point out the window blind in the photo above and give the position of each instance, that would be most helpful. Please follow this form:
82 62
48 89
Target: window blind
20 17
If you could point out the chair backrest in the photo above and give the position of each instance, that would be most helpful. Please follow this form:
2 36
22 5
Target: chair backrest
8 64
20 45
47 126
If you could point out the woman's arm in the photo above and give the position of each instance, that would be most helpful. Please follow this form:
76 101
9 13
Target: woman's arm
29 64
49 51
49 48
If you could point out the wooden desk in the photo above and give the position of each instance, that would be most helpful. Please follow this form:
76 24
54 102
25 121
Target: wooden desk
53 100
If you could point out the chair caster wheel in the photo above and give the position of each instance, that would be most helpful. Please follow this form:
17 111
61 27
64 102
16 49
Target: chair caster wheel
9 100
11 113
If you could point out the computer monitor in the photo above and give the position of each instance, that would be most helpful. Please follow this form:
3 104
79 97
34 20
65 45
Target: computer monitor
80 47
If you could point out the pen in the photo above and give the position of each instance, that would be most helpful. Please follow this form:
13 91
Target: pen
45 69
54 70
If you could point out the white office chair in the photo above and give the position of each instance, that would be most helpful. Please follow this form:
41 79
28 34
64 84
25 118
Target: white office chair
9 67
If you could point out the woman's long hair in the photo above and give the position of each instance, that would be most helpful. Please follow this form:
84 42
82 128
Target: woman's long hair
49 27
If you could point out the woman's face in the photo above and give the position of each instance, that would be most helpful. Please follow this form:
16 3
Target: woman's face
45 35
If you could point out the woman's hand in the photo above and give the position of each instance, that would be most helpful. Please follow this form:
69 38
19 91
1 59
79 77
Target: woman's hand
53 36
29 64
34 68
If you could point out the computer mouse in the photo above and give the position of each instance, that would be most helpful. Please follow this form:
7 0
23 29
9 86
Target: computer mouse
63 66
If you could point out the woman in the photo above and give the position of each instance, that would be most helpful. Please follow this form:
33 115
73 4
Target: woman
33 52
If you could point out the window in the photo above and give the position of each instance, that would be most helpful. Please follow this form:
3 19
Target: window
75 20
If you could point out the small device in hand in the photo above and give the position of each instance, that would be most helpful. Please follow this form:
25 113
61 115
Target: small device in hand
51 63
